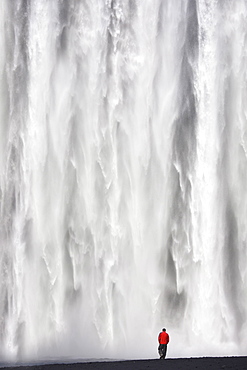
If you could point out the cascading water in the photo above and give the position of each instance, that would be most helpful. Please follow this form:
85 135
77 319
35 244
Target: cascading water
123 172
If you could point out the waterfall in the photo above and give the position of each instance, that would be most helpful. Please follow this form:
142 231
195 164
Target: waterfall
123 172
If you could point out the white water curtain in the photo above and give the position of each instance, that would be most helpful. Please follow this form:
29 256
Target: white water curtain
123 178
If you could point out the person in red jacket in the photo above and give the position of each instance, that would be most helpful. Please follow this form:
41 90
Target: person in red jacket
163 339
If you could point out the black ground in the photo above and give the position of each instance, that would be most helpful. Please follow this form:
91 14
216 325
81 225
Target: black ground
211 363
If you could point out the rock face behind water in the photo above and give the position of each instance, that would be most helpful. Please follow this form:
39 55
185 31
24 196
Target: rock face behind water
123 168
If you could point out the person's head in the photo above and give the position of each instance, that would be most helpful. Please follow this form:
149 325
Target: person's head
163 329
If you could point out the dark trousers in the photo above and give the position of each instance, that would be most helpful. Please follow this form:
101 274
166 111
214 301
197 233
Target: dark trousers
162 350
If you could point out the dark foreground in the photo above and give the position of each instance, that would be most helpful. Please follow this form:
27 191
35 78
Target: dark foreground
211 363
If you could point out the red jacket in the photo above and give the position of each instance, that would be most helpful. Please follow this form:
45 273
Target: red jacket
163 338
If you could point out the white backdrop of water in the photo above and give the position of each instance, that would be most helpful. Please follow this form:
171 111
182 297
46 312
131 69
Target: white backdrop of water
123 173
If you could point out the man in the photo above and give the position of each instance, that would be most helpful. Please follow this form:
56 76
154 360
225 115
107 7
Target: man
163 341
